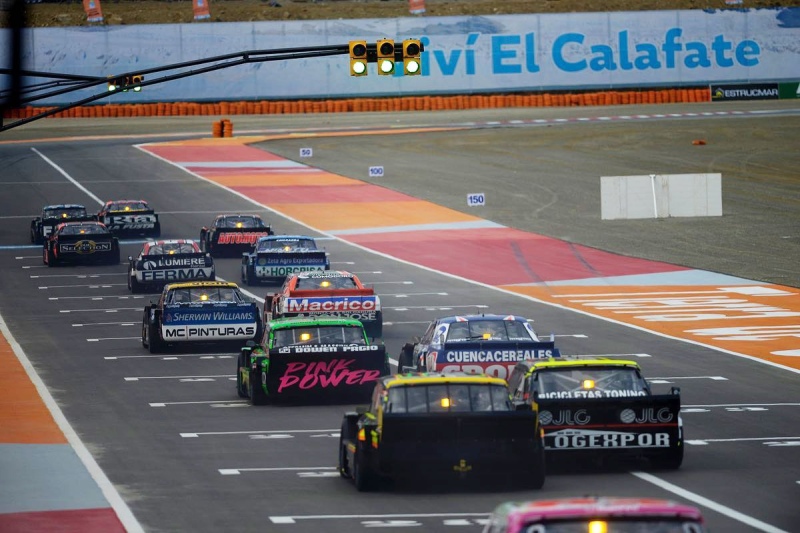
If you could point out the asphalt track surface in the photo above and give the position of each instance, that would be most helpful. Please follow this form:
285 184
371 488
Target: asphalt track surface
186 455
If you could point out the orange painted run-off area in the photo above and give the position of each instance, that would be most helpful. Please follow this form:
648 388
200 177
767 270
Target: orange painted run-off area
24 418
761 321
356 215
401 103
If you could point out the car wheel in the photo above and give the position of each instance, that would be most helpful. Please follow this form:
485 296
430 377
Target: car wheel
51 259
672 460
240 390
536 473
145 330
134 285
250 275
362 474
344 468
404 360
257 394
154 341
115 254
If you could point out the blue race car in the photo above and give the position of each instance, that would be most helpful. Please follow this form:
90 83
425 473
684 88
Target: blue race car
277 256
475 344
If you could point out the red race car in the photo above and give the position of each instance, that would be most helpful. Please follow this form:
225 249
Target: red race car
327 292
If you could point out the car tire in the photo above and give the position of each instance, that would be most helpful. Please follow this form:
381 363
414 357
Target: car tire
115 254
154 343
536 474
363 476
52 261
240 390
672 460
134 285
157 230
344 434
405 359
250 275
257 394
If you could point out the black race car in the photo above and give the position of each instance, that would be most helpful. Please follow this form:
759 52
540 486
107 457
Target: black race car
439 427
601 408
167 261
53 215
130 218
81 242
232 235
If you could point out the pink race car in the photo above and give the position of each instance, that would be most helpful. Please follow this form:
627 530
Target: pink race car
596 515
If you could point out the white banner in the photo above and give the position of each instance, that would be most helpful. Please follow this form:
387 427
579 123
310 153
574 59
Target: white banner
462 54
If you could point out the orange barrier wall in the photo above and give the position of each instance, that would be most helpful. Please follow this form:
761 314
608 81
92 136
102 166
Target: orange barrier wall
404 103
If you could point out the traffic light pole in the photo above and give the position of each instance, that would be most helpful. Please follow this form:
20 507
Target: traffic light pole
220 62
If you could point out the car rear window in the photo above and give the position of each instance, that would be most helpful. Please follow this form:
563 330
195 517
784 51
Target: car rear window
448 398
350 335
488 330
169 248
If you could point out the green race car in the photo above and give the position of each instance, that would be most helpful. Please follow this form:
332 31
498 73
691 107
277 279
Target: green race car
318 359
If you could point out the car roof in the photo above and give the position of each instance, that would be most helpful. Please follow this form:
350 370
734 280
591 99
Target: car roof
325 274
299 322
64 206
437 378
603 507
554 362
81 223
129 201
469 318
200 284
285 238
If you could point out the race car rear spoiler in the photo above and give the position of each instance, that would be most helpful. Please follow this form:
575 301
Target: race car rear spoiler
480 441
495 351
323 293
188 260
609 423
330 371
291 258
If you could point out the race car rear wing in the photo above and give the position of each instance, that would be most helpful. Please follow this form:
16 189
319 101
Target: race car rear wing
324 293
623 423
291 258
482 440
330 371
187 260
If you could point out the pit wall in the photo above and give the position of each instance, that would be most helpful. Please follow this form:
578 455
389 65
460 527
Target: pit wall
548 53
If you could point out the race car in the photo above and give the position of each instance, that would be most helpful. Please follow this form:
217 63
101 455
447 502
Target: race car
600 515
278 256
491 344
442 427
53 215
232 235
601 407
331 292
162 262
81 242
198 313
311 359
130 218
